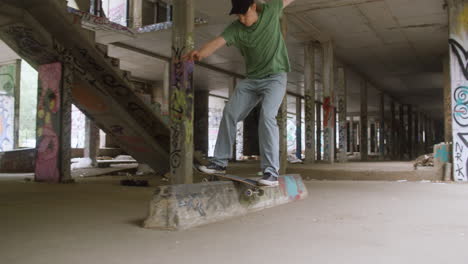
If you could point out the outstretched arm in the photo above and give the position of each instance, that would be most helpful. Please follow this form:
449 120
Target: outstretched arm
287 2
206 50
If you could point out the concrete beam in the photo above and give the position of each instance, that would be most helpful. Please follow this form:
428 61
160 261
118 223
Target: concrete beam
18 161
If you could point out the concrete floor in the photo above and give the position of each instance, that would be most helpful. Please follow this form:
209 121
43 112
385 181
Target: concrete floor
97 221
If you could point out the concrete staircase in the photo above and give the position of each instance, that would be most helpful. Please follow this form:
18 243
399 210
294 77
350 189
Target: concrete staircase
46 31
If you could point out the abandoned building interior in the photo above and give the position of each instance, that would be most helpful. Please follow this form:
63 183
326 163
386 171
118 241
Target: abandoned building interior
102 122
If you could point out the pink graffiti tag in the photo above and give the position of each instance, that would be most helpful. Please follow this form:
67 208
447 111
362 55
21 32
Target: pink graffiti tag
327 108
47 157
50 76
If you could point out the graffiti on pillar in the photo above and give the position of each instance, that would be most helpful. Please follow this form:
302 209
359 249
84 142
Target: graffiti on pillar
328 123
461 55
459 76
48 123
460 109
342 128
181 107
7 106
309 125
460 157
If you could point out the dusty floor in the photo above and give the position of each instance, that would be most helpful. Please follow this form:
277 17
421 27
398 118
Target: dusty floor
97 221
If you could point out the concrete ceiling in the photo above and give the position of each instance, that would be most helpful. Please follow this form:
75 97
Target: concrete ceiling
397 45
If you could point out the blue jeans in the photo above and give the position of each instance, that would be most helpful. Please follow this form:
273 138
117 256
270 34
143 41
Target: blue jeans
268 91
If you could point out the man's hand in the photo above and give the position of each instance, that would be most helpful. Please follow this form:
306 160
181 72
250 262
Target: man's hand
194 55
206 50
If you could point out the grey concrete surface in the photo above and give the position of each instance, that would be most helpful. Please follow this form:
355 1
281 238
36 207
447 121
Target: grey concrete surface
340 222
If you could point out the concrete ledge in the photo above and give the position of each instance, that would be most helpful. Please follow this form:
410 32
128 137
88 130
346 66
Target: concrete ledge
180 207
18 161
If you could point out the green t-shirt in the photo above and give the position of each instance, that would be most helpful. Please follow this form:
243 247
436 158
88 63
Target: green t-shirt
261 44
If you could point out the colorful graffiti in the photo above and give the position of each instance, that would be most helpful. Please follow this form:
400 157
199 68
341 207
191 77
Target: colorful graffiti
460 109
459 83
181 109
7 106
292 186
48 123
328 122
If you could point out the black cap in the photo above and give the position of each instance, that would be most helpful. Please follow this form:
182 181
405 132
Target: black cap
240 7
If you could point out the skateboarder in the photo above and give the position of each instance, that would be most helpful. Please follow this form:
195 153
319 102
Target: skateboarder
257 35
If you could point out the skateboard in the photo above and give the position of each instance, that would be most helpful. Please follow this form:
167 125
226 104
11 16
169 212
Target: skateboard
252 185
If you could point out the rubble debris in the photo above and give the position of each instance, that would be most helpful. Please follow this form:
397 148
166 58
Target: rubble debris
144 169
426 160
80 163
124 157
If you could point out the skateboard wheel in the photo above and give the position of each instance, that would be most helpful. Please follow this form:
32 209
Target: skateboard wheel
248 192
261 192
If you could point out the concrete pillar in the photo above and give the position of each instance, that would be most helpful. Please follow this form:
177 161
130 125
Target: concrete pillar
200 129
342 115
282 116
17 92
166 90
91 146
401 132
416 134
382 127
53 124
283 135
328 103
309 91
65 134
458 45
363 120
372 136
181 96
393 133
352 135
421 148
318 107
447 101
299 127
136 13
410 136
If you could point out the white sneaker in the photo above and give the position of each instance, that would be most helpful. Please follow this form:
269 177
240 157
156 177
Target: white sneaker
212 169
